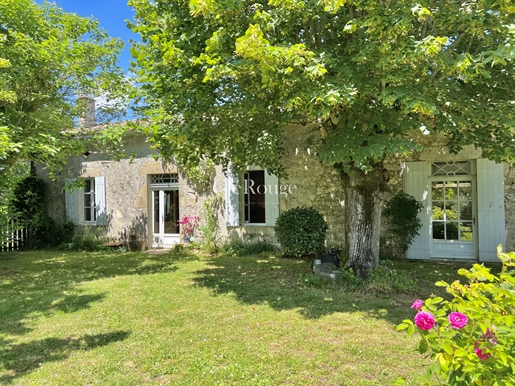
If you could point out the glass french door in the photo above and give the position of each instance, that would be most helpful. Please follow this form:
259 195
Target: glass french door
453 206
165 213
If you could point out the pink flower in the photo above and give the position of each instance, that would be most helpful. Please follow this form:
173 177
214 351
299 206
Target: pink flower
490 336
457 320
479 351
417 304
424 320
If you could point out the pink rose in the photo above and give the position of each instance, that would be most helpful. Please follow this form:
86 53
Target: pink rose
424 320
457 320
479 351
417 304
490 336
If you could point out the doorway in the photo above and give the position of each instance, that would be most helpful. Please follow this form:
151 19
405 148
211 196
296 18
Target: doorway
165 213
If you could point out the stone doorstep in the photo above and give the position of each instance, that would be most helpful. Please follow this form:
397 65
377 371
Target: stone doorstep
327 270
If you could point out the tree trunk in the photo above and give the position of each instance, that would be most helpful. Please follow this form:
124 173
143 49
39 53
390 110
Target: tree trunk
363 205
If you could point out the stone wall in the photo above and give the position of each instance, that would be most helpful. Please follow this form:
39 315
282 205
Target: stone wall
310 184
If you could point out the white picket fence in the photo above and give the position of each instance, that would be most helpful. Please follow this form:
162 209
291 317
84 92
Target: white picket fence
13 237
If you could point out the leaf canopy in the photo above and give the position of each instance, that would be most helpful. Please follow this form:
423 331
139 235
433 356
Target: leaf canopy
225 78
48 58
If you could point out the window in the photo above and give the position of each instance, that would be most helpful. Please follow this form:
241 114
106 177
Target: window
88 201
254 201
254 197
86 206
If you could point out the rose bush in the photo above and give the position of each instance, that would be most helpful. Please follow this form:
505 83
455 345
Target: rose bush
471 338
189 225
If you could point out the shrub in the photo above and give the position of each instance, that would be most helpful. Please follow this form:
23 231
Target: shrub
401 216
86 240
301 232
471 337
30 205
210 240
251 248
385 279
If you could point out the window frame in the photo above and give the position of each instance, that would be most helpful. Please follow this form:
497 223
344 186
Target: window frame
235 199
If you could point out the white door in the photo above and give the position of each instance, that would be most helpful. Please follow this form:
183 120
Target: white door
165 212
453 217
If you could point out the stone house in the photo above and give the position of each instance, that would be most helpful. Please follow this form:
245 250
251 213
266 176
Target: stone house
468 200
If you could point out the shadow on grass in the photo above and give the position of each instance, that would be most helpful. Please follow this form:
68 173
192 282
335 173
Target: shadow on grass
20 359
45 282
274 282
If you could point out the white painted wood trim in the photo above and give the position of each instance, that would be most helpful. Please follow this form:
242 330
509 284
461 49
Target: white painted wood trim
71 199
416 184
232 200
100 200
271 199
490 209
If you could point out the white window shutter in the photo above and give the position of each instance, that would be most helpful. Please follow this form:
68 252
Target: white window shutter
271 199
416 184
232 200
491 224
71 199
100 200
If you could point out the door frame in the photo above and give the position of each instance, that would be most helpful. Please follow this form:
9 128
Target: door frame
453 250
160 239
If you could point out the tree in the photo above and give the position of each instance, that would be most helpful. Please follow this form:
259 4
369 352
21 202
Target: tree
48 59
223 79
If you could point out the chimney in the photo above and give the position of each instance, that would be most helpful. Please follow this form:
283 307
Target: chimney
87 119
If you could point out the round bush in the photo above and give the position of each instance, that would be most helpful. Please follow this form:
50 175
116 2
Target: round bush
301 231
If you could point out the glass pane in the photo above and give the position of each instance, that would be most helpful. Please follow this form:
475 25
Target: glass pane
87 199
87 214
451 190
256 191
438 212
466 231
438 231
437 191
156 211
451 210
465 190
171 204
452 231
466 210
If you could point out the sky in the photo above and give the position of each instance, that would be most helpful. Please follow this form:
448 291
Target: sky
111 15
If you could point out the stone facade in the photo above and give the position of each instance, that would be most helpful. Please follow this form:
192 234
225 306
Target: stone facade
308 183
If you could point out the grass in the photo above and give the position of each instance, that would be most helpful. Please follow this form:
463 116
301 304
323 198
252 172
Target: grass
186 319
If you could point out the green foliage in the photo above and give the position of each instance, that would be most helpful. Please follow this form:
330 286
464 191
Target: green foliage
209 226
401 216
479 352
48 58
385 279
237 76
301 232
29 205
87 239
8 182
250 248
311 280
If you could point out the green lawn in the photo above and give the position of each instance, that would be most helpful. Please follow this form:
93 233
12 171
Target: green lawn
70 318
